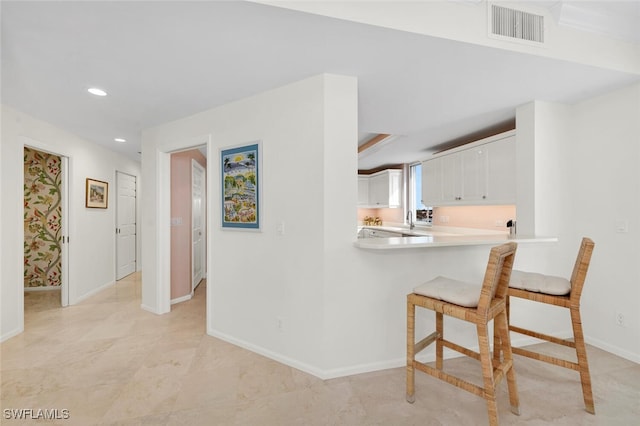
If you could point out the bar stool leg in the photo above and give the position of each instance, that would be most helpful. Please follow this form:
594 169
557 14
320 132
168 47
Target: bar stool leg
581 353
502 329
487 373
439 338
411 336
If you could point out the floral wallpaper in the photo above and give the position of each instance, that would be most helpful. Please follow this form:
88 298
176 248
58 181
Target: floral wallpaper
42 223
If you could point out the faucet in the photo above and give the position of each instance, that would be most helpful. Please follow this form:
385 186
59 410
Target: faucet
410 219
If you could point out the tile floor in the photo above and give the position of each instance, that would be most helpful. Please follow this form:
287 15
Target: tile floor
110 363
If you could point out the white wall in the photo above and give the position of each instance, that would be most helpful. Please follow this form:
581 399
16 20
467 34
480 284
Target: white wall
344 308
257 277
586 181
91 231
602 167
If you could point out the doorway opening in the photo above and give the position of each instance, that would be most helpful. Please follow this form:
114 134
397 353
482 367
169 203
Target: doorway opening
126 228
46 278
188 222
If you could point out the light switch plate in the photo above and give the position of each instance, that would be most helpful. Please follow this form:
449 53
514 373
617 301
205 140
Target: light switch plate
622 226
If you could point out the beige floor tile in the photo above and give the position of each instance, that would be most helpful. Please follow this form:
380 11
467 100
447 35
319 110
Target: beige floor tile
111 363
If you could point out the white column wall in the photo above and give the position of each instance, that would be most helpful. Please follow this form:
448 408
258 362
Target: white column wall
255 278
92 247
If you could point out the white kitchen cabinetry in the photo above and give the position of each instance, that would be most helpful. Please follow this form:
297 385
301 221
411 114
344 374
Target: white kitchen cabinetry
383 189
480 173
431 182
502 172
363 190
475 174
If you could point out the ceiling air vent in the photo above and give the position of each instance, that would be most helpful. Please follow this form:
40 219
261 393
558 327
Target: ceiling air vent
516 24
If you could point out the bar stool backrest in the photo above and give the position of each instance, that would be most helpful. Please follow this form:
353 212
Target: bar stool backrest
496 278
580 269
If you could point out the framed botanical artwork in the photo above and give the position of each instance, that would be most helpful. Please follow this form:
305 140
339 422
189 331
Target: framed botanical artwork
240 169
97 194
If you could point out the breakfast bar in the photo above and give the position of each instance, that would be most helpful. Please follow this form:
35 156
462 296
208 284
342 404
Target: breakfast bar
436 238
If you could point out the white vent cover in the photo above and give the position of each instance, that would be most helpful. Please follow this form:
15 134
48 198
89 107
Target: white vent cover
516 24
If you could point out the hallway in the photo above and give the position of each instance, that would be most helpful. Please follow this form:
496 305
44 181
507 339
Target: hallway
110 363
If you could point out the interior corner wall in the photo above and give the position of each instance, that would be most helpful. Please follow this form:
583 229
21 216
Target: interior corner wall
601 165
181 247
265 289
91 231
585 181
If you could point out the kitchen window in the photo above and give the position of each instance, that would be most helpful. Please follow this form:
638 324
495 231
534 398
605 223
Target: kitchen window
421 214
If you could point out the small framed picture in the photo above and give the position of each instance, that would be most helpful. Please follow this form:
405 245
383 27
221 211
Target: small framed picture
240 168
97 194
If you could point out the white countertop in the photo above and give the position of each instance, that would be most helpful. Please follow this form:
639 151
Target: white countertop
435 238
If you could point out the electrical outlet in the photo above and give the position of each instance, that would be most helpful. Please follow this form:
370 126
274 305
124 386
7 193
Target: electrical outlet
499 223
444 219
620 319
280 324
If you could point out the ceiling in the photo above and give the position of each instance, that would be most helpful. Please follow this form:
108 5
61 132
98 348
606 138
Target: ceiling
161 61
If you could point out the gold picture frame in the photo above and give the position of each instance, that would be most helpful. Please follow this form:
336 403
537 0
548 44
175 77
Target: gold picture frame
96 194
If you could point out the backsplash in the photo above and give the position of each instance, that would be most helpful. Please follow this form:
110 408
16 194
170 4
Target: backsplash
386 215
481 217
478 217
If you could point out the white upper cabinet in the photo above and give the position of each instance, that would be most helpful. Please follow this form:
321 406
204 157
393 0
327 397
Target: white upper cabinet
450 177
431 182
502 171
363 190
475 171
383 189
482 173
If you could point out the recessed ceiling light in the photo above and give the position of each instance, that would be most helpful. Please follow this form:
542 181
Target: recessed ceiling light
120 140
97 92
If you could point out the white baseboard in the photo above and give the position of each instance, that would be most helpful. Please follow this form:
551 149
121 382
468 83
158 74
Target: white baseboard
181 299
11 334
149 309
399 362
269 354
364 368
623 353
44 288
91 293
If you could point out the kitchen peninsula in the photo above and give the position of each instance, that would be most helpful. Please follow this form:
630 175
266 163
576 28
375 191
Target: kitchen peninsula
429 238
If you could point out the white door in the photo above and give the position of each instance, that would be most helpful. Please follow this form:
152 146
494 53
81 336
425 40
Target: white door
197 223
64 191
125 225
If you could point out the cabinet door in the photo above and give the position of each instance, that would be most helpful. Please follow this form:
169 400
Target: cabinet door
379 190
395 188
431 182
474 174
450 174
363 190
502 171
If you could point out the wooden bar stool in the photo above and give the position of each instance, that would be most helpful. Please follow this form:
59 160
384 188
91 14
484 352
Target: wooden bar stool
564 293
475 304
